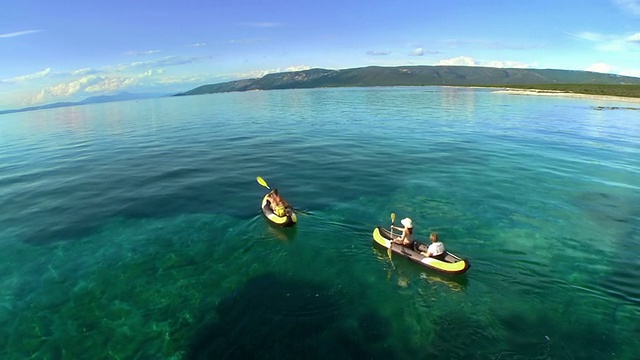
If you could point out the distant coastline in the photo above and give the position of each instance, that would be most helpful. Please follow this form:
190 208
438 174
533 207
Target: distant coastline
568 81
122 96
542 92
506 80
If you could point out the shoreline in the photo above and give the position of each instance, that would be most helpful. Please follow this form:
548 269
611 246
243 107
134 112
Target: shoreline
513 91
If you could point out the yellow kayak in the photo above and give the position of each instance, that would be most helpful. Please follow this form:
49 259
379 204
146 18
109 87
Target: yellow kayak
450 264
288 220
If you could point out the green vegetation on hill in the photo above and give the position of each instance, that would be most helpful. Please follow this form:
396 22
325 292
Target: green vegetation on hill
575 81
589 89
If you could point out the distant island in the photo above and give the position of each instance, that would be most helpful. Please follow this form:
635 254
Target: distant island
583 82
122 96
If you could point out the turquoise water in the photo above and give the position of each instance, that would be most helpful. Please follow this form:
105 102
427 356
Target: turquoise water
132 230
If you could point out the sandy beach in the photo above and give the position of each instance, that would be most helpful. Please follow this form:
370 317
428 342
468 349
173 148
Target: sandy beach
566 94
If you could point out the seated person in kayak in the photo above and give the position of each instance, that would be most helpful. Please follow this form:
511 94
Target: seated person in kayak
436 249
277 203
406 238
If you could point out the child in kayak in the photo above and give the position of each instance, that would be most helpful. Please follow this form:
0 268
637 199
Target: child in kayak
436 249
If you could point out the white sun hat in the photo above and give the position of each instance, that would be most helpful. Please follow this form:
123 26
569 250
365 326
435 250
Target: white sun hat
407 222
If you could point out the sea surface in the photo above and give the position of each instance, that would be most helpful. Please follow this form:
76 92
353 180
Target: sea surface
132 230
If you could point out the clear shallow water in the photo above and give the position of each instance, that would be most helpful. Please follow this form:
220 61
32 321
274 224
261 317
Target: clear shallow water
132 229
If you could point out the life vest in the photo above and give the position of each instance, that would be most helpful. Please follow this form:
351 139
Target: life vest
280 210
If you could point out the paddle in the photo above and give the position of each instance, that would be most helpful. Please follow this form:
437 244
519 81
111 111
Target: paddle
262 182
393 219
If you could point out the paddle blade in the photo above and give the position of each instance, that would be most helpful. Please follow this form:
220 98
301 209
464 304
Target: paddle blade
393 217
262 182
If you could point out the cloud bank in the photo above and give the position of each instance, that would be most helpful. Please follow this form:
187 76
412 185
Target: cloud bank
469 61
601 68
110 79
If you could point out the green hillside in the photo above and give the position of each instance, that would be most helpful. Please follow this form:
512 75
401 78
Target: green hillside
589 89
595 83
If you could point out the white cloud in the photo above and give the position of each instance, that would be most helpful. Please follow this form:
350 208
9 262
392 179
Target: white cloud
166 61
506 64
634 38
256 74
611 69
378 53
186 79
111 84
608 42
591 36
88 81
417 52
197 45
18 33
631 72
245 41
63 89
601 68
460 60
631 5
83 72
23 78
297 68
152 72
90 84
142 53
469 61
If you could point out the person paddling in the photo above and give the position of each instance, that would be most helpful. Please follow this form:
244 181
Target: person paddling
406 238
277 203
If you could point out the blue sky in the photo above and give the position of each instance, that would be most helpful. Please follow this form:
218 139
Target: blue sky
67 50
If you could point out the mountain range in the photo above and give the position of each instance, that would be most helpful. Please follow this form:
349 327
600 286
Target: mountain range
387 76
414 76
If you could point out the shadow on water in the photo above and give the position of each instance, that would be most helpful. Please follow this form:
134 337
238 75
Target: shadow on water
272 231
404 267
272 317
284 234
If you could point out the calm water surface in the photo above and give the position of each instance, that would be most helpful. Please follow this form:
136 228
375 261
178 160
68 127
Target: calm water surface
132 230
